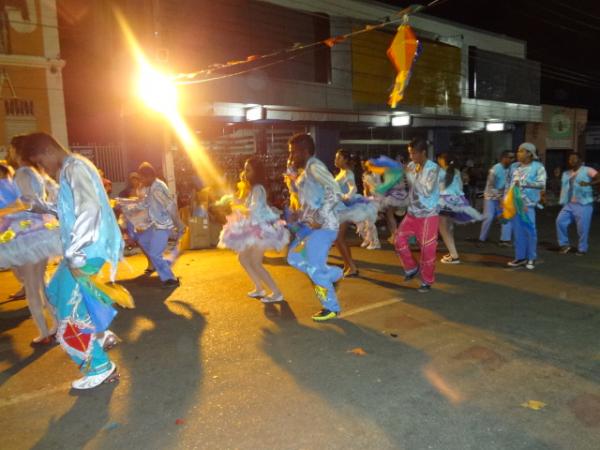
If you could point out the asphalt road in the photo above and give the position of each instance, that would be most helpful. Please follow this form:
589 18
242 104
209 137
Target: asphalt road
205 367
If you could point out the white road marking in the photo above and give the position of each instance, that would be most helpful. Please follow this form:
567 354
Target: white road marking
26 396
371 307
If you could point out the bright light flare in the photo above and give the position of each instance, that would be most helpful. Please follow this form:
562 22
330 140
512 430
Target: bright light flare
157 90
159 93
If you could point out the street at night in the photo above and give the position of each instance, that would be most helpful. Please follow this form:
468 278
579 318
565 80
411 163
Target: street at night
205 367
299 224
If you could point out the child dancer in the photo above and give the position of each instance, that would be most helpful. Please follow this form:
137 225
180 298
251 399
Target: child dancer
318 196
454 206
29 239
355 209
90 237
252 228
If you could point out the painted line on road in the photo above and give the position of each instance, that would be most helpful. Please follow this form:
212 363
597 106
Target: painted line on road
366 308
27 396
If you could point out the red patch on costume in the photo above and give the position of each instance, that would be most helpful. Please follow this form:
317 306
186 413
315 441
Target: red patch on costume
75 338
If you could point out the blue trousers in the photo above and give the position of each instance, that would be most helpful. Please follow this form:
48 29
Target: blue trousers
525 237
64 294
582 216
309 255
491 210
154 242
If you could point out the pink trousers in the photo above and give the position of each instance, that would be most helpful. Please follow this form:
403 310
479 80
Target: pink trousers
425 229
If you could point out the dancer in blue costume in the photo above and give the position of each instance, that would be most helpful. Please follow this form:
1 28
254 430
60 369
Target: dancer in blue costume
161 221
90 237
576 198
27 239
454 206
354 208
530 176
497 181
368 231
392 194
318 223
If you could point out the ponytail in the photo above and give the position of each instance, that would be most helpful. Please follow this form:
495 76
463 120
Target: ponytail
451 169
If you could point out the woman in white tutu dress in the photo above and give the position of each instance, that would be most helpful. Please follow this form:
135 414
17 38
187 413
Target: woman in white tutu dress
354 208
454 206
252 228
27 239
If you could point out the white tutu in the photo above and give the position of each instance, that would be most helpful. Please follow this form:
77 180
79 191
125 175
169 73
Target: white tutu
363 210
457 207
27 238
240 233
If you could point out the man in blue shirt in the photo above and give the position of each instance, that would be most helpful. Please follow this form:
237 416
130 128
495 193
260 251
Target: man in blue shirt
319 196
529 175
576 197
163 218
497 181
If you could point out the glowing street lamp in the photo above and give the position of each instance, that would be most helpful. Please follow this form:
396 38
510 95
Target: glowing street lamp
157 91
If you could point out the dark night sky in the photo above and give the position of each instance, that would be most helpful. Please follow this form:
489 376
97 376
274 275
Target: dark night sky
563 35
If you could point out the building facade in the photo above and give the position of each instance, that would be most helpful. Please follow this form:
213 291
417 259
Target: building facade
465 83
30 71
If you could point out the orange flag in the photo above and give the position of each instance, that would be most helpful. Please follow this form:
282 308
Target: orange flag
403 52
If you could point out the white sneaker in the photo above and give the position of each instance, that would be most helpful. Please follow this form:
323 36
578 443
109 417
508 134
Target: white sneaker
530 264
92 381
256 294
109 340
373 246
272 298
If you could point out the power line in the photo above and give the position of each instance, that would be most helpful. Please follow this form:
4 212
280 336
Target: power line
329 42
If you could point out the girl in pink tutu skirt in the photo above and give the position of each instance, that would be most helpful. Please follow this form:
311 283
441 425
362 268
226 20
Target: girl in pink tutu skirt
252 228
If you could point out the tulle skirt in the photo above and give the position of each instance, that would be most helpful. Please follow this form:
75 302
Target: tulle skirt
457 207
27 238
394 198
240 233
357 210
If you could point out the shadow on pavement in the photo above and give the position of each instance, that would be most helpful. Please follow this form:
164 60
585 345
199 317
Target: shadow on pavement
543 328
390 396
17 362
160 363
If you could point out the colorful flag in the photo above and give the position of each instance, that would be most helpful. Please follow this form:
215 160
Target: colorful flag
403 52
513 206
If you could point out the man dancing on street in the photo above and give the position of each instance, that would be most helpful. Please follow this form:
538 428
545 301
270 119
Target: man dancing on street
90 237
163 217
422 218
319 196
497 181
576 196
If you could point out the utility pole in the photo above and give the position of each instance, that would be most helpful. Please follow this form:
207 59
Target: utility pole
160 58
